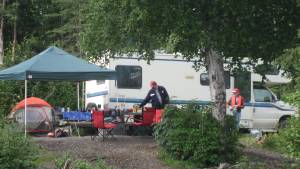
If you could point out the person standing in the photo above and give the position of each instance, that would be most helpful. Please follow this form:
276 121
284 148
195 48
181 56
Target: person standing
158 97
236 103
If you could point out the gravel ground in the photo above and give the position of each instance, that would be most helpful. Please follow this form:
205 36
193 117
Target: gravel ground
123 152
135 152
271 159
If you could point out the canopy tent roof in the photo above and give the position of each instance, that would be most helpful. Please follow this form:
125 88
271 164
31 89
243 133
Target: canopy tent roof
56 64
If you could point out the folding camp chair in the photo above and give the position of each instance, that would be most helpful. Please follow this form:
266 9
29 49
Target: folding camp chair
102 128
148 117
147 120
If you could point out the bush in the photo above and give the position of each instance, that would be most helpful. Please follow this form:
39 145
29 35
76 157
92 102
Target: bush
16 150
290 137
192 133
287 140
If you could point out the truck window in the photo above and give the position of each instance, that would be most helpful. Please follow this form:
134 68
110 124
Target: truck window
262 94
204 80
129 77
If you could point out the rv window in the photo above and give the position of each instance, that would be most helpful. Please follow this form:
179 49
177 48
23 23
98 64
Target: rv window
129 77
262 95
204 80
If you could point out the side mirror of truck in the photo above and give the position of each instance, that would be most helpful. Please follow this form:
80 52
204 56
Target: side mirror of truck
278 96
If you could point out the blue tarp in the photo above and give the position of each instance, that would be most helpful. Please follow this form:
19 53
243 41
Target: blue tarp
77 116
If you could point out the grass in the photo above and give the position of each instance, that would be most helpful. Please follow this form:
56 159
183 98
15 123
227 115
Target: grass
249 141
48 158
175 164
45 157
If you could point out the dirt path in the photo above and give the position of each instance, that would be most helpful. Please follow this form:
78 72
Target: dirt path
271 159
124 152
137 152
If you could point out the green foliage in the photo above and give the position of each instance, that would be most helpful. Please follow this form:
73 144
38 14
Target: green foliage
193 134
173 163
67 160
237 29
293 97
16 150
290 63
273 142
290 137
287 140
246 163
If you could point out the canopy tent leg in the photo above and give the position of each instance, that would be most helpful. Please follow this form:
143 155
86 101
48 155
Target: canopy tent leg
83 96
25 109
78 97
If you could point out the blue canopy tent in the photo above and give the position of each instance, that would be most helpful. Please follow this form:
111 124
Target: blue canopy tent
55 64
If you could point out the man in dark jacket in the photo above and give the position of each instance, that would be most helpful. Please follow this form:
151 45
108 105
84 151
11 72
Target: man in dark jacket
158 97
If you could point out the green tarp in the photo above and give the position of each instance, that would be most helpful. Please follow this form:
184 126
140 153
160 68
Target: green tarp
56 64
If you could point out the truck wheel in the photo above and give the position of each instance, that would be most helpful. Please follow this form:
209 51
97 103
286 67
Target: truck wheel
283 122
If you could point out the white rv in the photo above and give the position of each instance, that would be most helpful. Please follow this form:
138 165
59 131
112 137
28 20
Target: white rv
262 111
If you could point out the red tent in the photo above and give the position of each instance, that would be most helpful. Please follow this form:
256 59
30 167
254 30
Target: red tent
39 115
33 102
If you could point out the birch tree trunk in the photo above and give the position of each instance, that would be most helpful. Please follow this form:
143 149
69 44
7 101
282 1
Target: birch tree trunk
1 34
217 85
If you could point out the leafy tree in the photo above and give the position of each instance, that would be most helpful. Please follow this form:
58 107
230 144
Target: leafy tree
69 14
208 31
290 63
39 25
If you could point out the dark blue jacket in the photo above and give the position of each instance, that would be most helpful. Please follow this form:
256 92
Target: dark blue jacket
153 99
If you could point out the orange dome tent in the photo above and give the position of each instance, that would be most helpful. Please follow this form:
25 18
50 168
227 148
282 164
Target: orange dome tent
33 102
39 115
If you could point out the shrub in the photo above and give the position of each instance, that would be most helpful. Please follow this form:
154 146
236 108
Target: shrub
287 140
290 137
192 133
16 150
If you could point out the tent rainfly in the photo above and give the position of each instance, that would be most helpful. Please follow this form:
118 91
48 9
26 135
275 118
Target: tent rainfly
40 117
55 64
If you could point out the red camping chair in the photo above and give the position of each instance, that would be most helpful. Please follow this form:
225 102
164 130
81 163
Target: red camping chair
102 128
148 117
147 120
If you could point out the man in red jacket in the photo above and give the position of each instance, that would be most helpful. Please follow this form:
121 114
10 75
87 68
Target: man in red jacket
236 103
